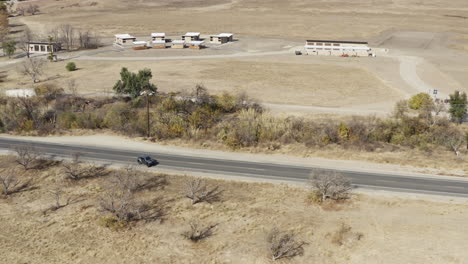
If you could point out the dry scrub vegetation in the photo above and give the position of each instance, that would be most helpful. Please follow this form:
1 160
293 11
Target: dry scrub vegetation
107 219
235 122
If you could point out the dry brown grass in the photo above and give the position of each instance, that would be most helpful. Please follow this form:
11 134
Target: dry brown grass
273 82
338 19
390 226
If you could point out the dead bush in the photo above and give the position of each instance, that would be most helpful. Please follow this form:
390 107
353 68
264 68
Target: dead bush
198 191
10 183
131 180
344 235
329 185
27 156
284 244
59 202
126 208
75 170
198 231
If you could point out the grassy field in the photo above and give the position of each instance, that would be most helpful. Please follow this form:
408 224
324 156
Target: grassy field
384 229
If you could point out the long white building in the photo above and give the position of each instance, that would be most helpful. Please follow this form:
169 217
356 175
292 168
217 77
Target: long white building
337 48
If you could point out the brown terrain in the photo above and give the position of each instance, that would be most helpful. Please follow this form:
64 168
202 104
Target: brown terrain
384 228
420 47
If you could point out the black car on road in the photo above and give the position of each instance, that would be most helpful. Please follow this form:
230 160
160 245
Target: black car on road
147 160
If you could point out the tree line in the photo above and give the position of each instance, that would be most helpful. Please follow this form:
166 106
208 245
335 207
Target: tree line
233 120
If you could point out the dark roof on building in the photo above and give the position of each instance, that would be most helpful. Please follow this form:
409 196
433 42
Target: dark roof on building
338 41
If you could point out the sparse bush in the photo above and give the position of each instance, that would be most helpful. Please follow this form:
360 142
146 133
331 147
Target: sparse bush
344 235
131 180
27 156
71 66
198 191
32 9
123 206
57 194
76 171
48 91
113 223
10 183
329 185
198 231
284 244
32 67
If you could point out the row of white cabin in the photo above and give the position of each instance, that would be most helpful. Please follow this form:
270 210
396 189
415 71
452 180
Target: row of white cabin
158 40
337 48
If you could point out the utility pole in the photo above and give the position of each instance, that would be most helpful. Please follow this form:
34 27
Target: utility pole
148 129
147 115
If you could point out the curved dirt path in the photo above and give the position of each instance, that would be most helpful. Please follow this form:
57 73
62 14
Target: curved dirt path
408 72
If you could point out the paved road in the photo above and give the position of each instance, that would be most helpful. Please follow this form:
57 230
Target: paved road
443 186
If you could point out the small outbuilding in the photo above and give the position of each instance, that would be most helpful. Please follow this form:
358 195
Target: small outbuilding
140 45
43 47
178 44
196 44
222 38
191 36
158 36
159 44
124 39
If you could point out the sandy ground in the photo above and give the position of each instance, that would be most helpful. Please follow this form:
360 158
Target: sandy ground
333 159
392 230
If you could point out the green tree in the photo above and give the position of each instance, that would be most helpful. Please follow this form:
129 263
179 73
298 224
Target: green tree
458 106
421 101
134 83
9 47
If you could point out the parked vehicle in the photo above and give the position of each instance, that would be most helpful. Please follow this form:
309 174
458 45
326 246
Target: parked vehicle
147 160
298 52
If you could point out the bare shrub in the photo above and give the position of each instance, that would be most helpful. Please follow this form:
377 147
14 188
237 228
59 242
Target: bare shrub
67 35
88 40
131 180
451 137
284 244
344 235
21 10
124 207
32 9
198 231
198 191
26 37
330 185
10 183
76 171
33 68
57 193
27 156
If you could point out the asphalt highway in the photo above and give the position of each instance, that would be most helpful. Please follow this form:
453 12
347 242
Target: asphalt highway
185 164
